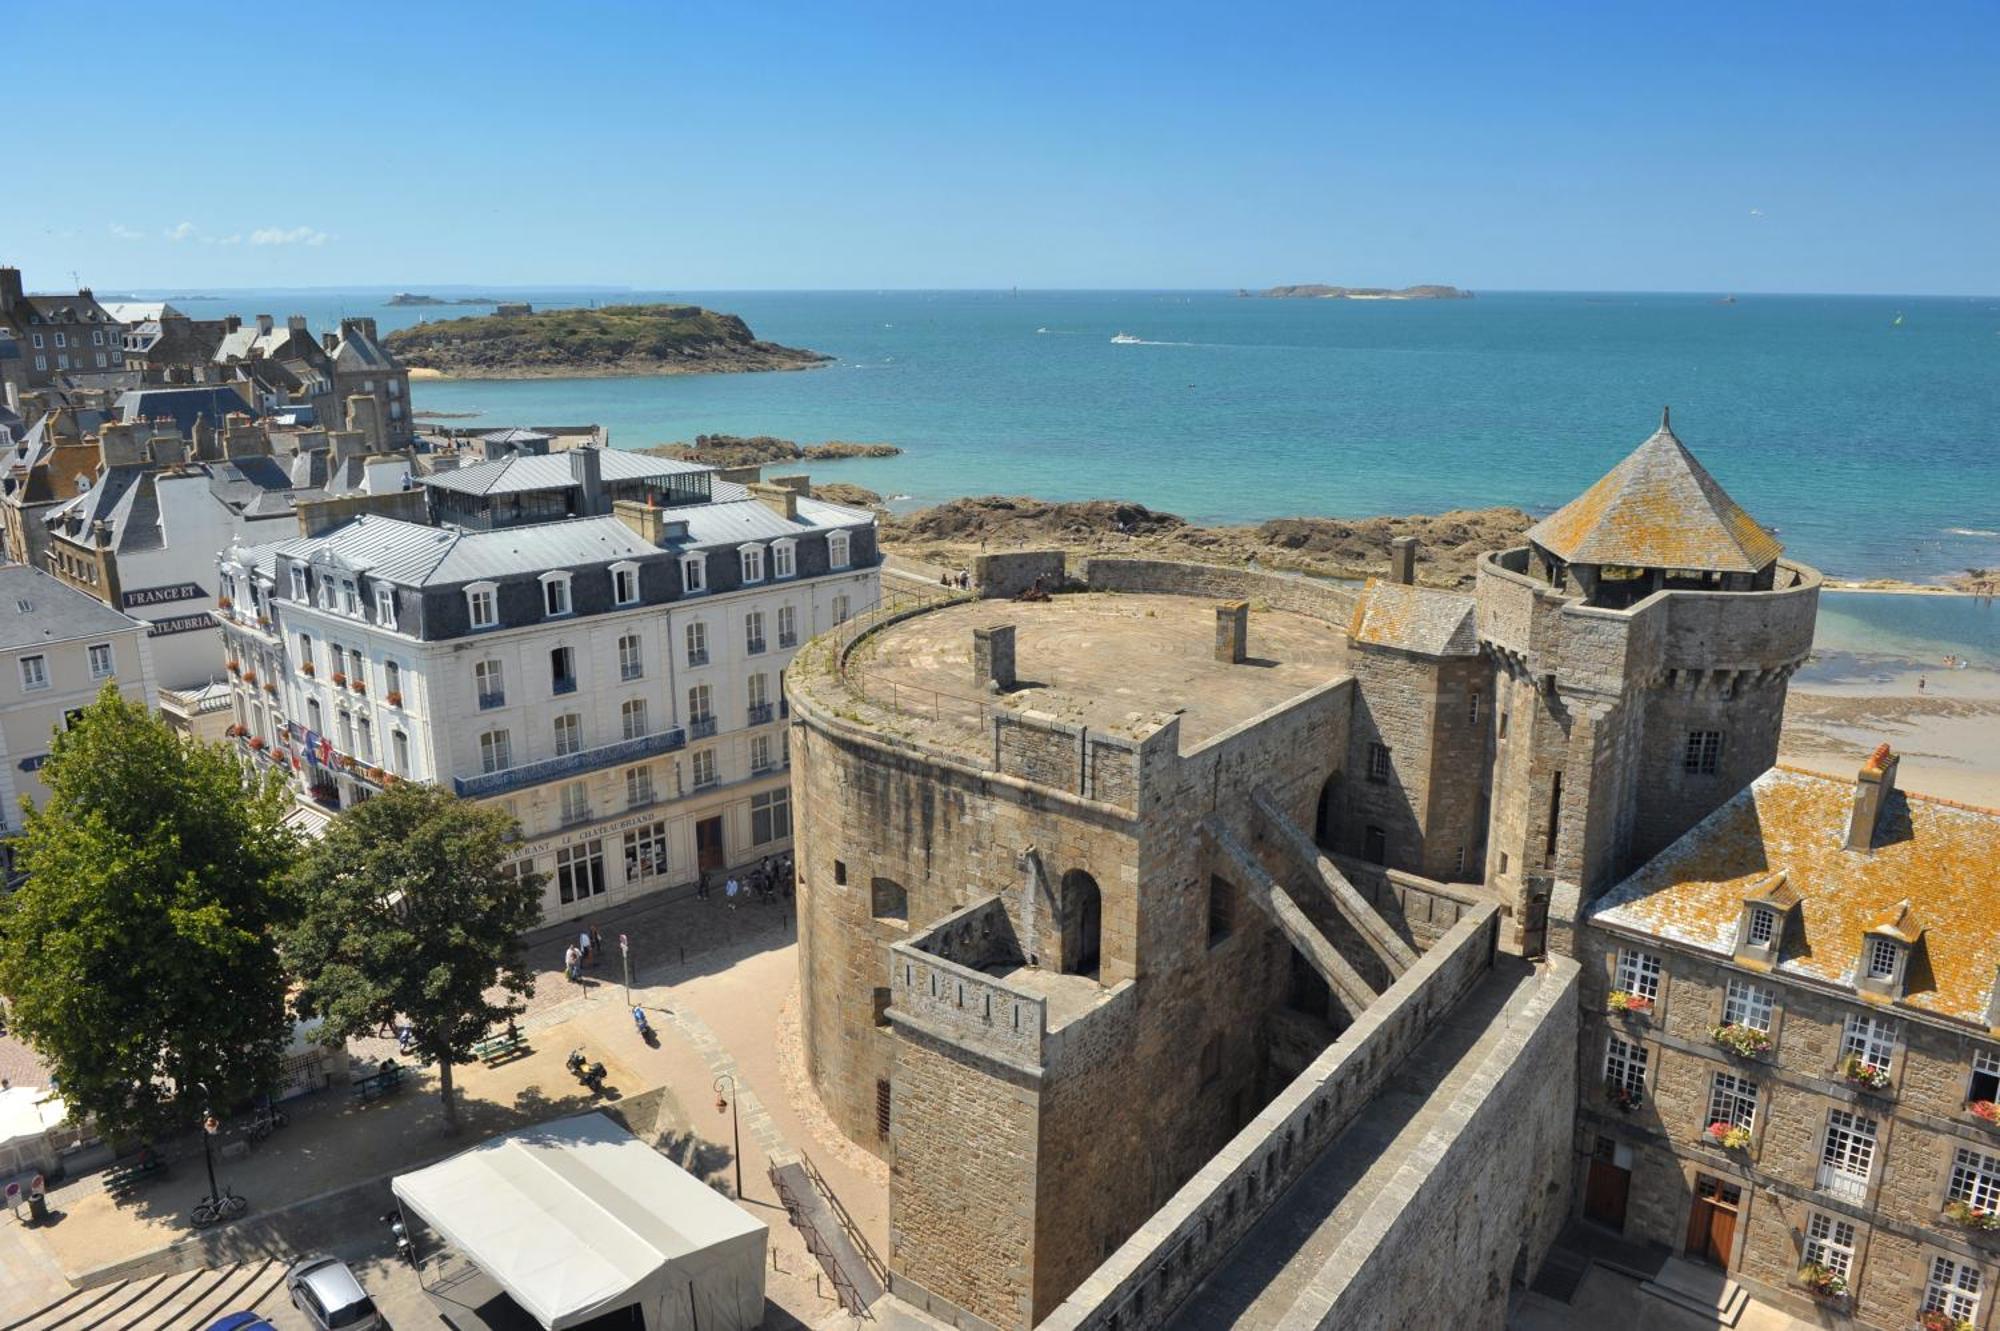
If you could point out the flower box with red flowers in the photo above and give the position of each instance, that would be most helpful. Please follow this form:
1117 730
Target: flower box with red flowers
233 731
358 684
1728 1136
1986 1111
394 698
1868 1076
1622 1098
234 667
224 603
1932 1319
1966 1215
257 742
1822 1282
1629 1003
339 678
249 677
271 688
306 668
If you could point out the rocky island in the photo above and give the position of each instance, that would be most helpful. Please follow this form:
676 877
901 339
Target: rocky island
612 341
408 298
1318 291
730 450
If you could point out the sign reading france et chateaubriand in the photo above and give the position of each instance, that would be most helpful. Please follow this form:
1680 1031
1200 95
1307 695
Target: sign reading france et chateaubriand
161 628
178 591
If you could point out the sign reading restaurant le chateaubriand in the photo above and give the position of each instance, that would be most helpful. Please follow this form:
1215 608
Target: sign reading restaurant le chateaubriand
177 591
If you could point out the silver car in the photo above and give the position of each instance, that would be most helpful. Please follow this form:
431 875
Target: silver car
330 1297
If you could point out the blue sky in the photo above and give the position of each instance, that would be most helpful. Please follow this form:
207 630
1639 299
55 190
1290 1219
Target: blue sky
1773 146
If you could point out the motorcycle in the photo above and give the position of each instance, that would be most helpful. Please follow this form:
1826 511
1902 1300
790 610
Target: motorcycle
643 1026
406 1248
590 1074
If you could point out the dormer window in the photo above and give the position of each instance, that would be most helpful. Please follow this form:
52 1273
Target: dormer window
1760 929
1763 926
625 584
1882 969
837 550
325 592
784 559
555 594
385 605
483 604
753 562
350 602
694 573
1883 954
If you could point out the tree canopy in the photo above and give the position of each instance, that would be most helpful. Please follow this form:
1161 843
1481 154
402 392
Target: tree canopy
405 910
138 957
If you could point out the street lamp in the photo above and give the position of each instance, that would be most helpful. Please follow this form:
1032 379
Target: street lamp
735 1124
209 1127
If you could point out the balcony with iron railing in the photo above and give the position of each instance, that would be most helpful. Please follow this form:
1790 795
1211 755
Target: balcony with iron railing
698 656
755 647
569 764
488 701
701 727
760 713
787 640
704 781
563 684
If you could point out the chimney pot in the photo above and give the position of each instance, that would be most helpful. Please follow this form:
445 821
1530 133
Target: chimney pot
1872 786
993 658
1403 560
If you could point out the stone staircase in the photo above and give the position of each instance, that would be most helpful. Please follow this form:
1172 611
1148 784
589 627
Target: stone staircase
183 1301
1702 1290
1334 893
1268 895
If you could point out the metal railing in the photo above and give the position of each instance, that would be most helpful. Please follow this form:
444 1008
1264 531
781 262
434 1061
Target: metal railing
876 1266
564 684
701 727
698 657
548 769
755 647
488 701
760 713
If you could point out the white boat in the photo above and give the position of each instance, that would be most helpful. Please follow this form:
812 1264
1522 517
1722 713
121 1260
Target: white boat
1126 340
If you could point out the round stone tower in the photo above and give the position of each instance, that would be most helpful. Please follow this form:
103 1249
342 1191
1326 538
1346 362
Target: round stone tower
1641 639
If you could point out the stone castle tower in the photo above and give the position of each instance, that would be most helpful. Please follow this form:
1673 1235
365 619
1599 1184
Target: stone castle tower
1640 642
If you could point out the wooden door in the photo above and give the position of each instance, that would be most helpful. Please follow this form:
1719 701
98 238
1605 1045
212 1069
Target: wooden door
1711 1232
1605 1190
708 849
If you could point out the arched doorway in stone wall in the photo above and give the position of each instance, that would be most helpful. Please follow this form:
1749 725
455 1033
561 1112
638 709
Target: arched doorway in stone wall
1082 922
1326 815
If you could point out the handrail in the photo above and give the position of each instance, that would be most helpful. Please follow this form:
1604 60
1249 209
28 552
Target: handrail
605 755
850 1297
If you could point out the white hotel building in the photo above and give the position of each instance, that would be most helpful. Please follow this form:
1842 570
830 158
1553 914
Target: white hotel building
613 679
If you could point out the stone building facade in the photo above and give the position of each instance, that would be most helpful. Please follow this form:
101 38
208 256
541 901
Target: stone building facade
1792 1050
58 334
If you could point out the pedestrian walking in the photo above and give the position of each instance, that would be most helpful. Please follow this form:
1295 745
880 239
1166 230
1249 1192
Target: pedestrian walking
729 890
701 886
583 944
570 958
596 946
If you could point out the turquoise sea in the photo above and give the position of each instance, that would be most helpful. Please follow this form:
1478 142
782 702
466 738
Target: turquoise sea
1866 429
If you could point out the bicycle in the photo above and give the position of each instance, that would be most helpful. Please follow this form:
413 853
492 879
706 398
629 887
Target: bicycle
213 1210
266 1123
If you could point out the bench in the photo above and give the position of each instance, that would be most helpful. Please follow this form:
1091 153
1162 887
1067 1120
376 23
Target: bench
497 1047
121 1180
382 1081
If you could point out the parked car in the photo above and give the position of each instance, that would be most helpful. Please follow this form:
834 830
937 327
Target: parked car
330 1297
241 1322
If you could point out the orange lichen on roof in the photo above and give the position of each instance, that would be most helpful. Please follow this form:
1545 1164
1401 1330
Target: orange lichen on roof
1659 508
1880 758
1414 619
1777 890
1899 921
1932 861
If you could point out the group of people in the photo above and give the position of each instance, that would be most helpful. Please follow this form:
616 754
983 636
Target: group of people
961 579
763 880
587 950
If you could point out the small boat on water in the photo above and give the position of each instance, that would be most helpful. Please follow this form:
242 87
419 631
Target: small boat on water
1126 340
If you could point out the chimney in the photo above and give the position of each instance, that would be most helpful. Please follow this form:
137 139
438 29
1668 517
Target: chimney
1232 632
780 499
297 323
993 658
263 323
232 323
1403 560
364 414
799 485
1872 786
10 289
329 342
345 444
586 468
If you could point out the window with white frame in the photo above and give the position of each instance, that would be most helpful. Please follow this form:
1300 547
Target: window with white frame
784 558
392 680
760 753
1625 1066
638 787
1882 953
1985 1084
753 632
491 682
625 584
299 583
694 573
752 557
701 703
631 657
632 717
697 643
34 672
326 592
315 719
1870 1039
1830 1244
483 605
555 593
575 802
399 752
646 852
841 608
758 687
1975 1179
1763 926
101 664
788 626
1847 1156
837 550
580 869
1733 1100
1638 973
364 739
1747 1004
701 763
496 751
771 816
1952 1289
385 605
569 734
350 597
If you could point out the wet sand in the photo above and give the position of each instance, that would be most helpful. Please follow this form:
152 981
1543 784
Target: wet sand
1947 732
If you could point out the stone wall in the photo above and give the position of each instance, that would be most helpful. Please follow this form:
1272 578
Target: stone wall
1329 601
1003 576
1921 1120
1175 1249
1476 1207
1422 910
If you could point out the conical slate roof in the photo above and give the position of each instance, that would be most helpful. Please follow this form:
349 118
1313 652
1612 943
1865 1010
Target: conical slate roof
1659 508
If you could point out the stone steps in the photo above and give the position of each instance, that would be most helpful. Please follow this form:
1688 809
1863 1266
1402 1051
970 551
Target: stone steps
182 1301
1264 892
1701 1290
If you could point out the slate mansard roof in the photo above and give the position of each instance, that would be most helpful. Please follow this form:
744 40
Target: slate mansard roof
1932 862
1659 508
551 471
36 610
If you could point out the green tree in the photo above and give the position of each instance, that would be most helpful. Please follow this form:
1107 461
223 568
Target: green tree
404 910
139 957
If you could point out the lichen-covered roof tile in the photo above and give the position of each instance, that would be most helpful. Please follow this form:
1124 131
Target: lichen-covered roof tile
1659 508
1934 870
1414 619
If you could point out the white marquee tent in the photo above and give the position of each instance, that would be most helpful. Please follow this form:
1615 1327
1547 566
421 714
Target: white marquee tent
578 1218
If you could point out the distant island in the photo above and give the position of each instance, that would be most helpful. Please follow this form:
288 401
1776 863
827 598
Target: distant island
1318 291
729 450
411 298
613 341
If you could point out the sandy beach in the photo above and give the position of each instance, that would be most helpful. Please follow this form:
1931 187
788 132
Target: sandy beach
1948 732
